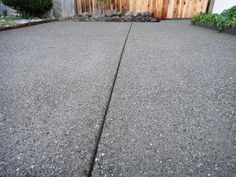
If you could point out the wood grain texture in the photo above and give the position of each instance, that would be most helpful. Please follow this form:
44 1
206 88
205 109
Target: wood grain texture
160 8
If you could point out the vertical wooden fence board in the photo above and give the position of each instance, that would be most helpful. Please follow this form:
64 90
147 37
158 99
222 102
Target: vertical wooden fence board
131 6
176 6
170 9
180 10
153 6
186 7
79 6
93 6
161 8
193 9
164 9
159 5
198 8
205 4
189 9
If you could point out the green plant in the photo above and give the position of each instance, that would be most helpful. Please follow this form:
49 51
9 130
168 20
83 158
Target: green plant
30 8
8 20
226 18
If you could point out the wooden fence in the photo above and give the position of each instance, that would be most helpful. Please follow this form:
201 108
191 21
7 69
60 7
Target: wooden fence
161 8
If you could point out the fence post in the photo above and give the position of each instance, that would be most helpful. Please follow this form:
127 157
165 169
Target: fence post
210 6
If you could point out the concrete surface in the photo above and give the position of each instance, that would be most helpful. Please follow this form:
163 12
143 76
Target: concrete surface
172 111
173 107
55 82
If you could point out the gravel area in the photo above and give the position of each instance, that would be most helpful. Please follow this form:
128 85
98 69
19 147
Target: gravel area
172 111
55 82
114 16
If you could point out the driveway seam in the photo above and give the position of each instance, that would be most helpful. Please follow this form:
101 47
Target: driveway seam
108 105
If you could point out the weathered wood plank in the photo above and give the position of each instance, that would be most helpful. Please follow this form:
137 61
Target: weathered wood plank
176 6
161 8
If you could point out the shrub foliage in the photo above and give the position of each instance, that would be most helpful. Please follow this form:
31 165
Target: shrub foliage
30 8
226 18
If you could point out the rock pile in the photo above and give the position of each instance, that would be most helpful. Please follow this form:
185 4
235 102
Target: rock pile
113 16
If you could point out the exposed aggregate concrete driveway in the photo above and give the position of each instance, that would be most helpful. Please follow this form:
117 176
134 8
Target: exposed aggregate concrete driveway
55 83
170 112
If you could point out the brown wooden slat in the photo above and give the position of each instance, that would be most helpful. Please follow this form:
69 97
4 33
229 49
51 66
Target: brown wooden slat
153 7
193 8
186 8
164 9
180 10
161 8
170 9
205 3
79 7
159 5
176 6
